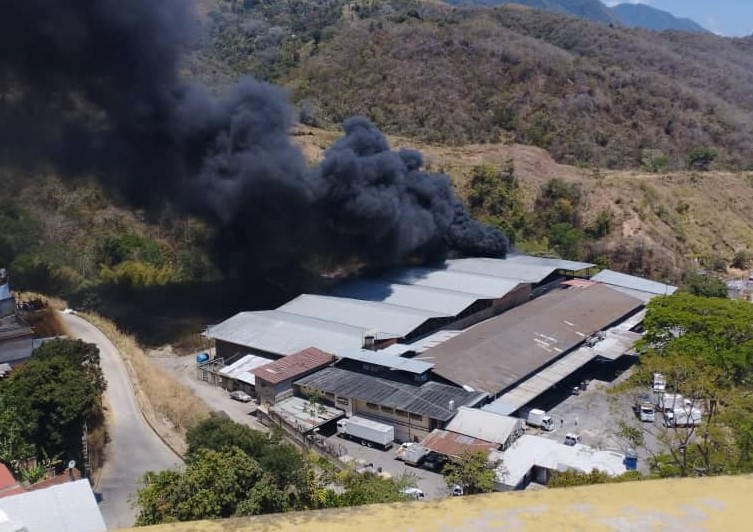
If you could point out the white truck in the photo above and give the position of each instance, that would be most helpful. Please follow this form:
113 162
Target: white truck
670 401
658 382
370 433
683 417
411 453
536 417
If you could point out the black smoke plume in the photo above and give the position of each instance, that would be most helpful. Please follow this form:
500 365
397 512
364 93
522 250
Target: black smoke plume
91 87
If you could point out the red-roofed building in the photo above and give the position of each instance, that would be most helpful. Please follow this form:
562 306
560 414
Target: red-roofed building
8 484
274 381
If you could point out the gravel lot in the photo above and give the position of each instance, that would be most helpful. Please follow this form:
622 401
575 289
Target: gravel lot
596 414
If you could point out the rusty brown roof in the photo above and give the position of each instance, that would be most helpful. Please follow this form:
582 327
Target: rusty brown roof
497 353
454 445
292 366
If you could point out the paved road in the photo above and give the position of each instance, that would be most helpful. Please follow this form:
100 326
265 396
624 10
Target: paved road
134 448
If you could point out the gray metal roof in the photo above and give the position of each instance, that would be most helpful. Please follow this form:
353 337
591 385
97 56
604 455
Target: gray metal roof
446 302
385 360
431 399
519 271
494 354
632 282
382 317
282 333
530 389
560 264
484 425
68 507
482 286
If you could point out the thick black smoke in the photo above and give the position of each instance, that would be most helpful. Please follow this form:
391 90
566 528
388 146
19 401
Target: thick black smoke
91 87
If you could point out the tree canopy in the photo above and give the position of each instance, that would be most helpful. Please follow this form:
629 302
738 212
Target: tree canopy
472 471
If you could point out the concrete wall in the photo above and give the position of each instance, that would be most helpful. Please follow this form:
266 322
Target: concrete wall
273 393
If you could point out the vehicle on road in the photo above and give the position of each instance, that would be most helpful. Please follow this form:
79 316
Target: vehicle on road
240 395
370 433
647 412
571 439
537 418
658 382
413 492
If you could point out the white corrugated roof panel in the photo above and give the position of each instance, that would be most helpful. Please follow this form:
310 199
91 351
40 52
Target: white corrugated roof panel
483 286
382 317
531 388
521 272
446 302
388 361
623 280
483 425
560 264
68 507
282 333
240 370
433 340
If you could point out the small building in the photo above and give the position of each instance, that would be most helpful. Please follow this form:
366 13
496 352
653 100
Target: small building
454 445
274 380
488 426
643 289
414 410
67 507
239 375
534 459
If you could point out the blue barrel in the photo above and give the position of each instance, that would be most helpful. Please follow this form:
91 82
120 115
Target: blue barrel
203 357
631 460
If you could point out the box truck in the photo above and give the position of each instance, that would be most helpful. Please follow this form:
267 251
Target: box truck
411 453
369 433
683 417
537 418
658 382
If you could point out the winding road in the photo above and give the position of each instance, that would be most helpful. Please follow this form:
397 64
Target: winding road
134 448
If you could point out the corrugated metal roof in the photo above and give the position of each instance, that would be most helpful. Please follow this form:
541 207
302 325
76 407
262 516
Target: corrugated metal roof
431 399
282 333
495 354
240 370
482 286
433 340
388 361
303 415
452 444
559 264
447 302
293 366
391 319
530 389
68 507
484 425
521 272
632 282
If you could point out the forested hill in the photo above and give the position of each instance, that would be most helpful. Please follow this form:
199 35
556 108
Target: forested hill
628 14
589 93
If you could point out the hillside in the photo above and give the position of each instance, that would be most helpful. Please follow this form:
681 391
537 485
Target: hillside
627 14
650 18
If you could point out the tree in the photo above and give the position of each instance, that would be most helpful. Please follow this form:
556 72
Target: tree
701 159
742 259
220 433
54 392
215 484
704 285
472 471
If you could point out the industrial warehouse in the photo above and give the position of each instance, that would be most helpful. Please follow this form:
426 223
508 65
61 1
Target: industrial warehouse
443 356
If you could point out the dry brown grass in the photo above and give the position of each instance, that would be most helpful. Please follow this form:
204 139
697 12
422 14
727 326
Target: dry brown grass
168 406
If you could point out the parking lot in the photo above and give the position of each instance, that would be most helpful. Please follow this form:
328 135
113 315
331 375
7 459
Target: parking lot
595 414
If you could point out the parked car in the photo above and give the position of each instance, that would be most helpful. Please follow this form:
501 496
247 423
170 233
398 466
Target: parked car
457 490
240 395
413 492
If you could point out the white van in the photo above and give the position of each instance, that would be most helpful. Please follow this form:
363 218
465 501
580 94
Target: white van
647 412
658 382
571 439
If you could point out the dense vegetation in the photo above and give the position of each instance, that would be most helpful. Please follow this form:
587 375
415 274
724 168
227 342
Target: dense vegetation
704 347
591 94
232 470
45 403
